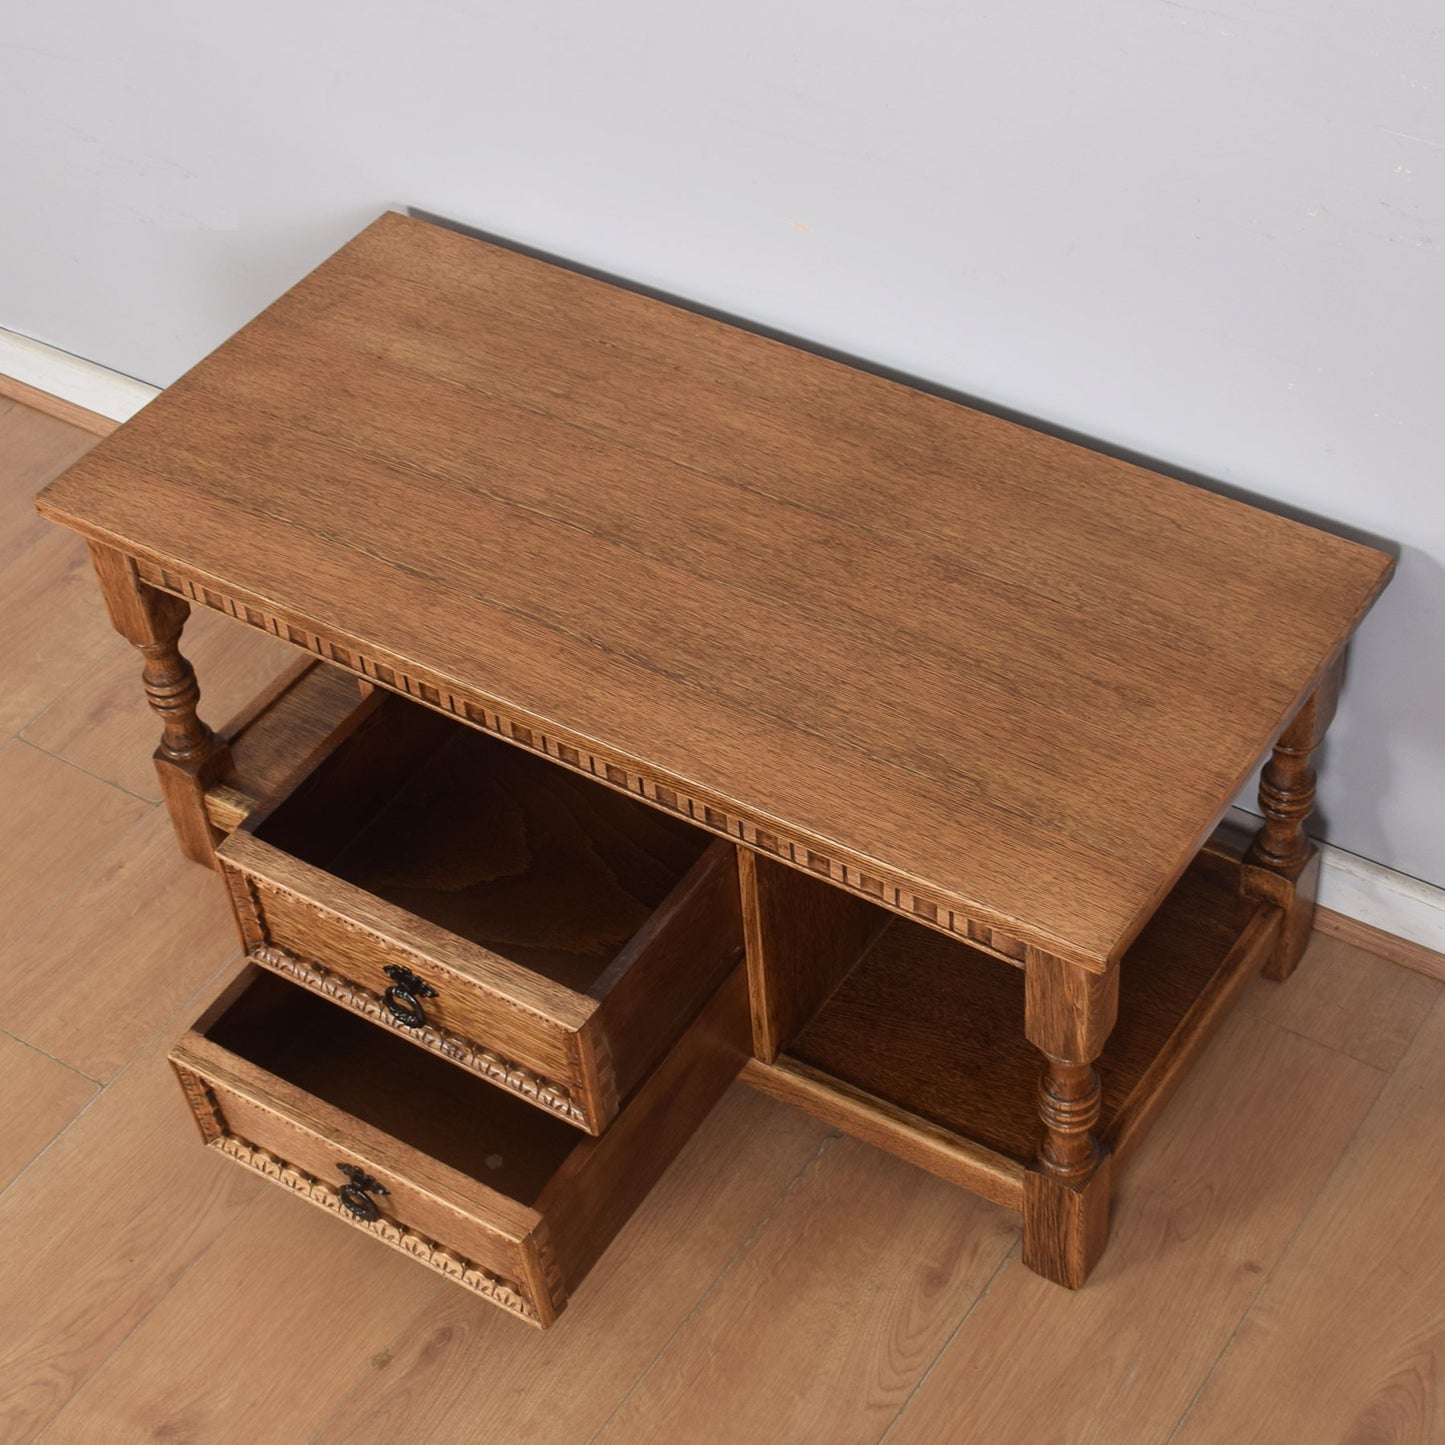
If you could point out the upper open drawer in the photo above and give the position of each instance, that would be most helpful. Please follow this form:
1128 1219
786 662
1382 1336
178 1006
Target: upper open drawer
530 925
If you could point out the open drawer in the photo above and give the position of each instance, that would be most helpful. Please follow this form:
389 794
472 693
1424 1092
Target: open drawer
528 924
509 1202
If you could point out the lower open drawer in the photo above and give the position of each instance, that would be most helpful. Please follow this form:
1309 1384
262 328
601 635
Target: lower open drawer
466 1178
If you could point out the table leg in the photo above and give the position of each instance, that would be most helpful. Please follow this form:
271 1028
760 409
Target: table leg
190 757
1282 865
1068 1014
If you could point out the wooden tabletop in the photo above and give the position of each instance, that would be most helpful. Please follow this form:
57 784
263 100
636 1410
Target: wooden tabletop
939 651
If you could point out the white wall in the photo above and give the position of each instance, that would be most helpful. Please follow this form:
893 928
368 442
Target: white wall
1209 234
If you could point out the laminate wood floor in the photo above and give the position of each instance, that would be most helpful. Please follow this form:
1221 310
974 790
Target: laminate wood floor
1277 1272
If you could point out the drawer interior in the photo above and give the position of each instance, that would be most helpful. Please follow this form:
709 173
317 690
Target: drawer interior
496 845
483 1132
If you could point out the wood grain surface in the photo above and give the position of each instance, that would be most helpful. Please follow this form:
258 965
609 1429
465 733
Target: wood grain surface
587 507
90 980
1357 1002
558 924
92 1236
803 938
454 1363
463 1166
489 843
860 1277
35 402
997 1177
425 1198
162 1383
53 628
267 742
1372 939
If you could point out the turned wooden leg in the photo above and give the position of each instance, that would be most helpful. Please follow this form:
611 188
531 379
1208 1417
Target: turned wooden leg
1068 1013
1282 865
190 758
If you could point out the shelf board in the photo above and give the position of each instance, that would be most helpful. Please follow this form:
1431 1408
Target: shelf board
932 1030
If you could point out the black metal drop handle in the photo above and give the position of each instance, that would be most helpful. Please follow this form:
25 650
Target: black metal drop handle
404 996
356 1196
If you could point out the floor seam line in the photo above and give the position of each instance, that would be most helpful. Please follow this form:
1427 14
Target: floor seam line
54 1058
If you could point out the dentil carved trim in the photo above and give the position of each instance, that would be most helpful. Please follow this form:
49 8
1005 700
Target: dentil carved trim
893 893
534 1088
480 1281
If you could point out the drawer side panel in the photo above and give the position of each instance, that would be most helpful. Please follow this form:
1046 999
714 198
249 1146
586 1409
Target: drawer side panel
604 1180
661 980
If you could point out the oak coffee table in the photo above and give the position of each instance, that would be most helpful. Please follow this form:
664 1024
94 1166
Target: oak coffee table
673 704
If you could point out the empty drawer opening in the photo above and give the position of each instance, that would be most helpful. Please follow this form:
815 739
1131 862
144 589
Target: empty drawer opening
535 863
405 1092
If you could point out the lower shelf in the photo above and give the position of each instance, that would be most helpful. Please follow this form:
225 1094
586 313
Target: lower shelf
922 1049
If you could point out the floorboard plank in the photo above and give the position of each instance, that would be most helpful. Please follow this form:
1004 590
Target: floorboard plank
1348 1000
1347 1341
88 981
294 1305
33 449
824 1327
1389 947
461 1372
1204 1211
42 1096
99 1229
53 627
55 824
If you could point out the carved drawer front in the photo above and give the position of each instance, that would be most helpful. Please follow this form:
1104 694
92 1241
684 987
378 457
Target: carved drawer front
527 924
508 1202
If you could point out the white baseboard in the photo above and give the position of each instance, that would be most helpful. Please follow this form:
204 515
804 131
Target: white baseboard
1375 895
1355 887
82 383
1392 902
